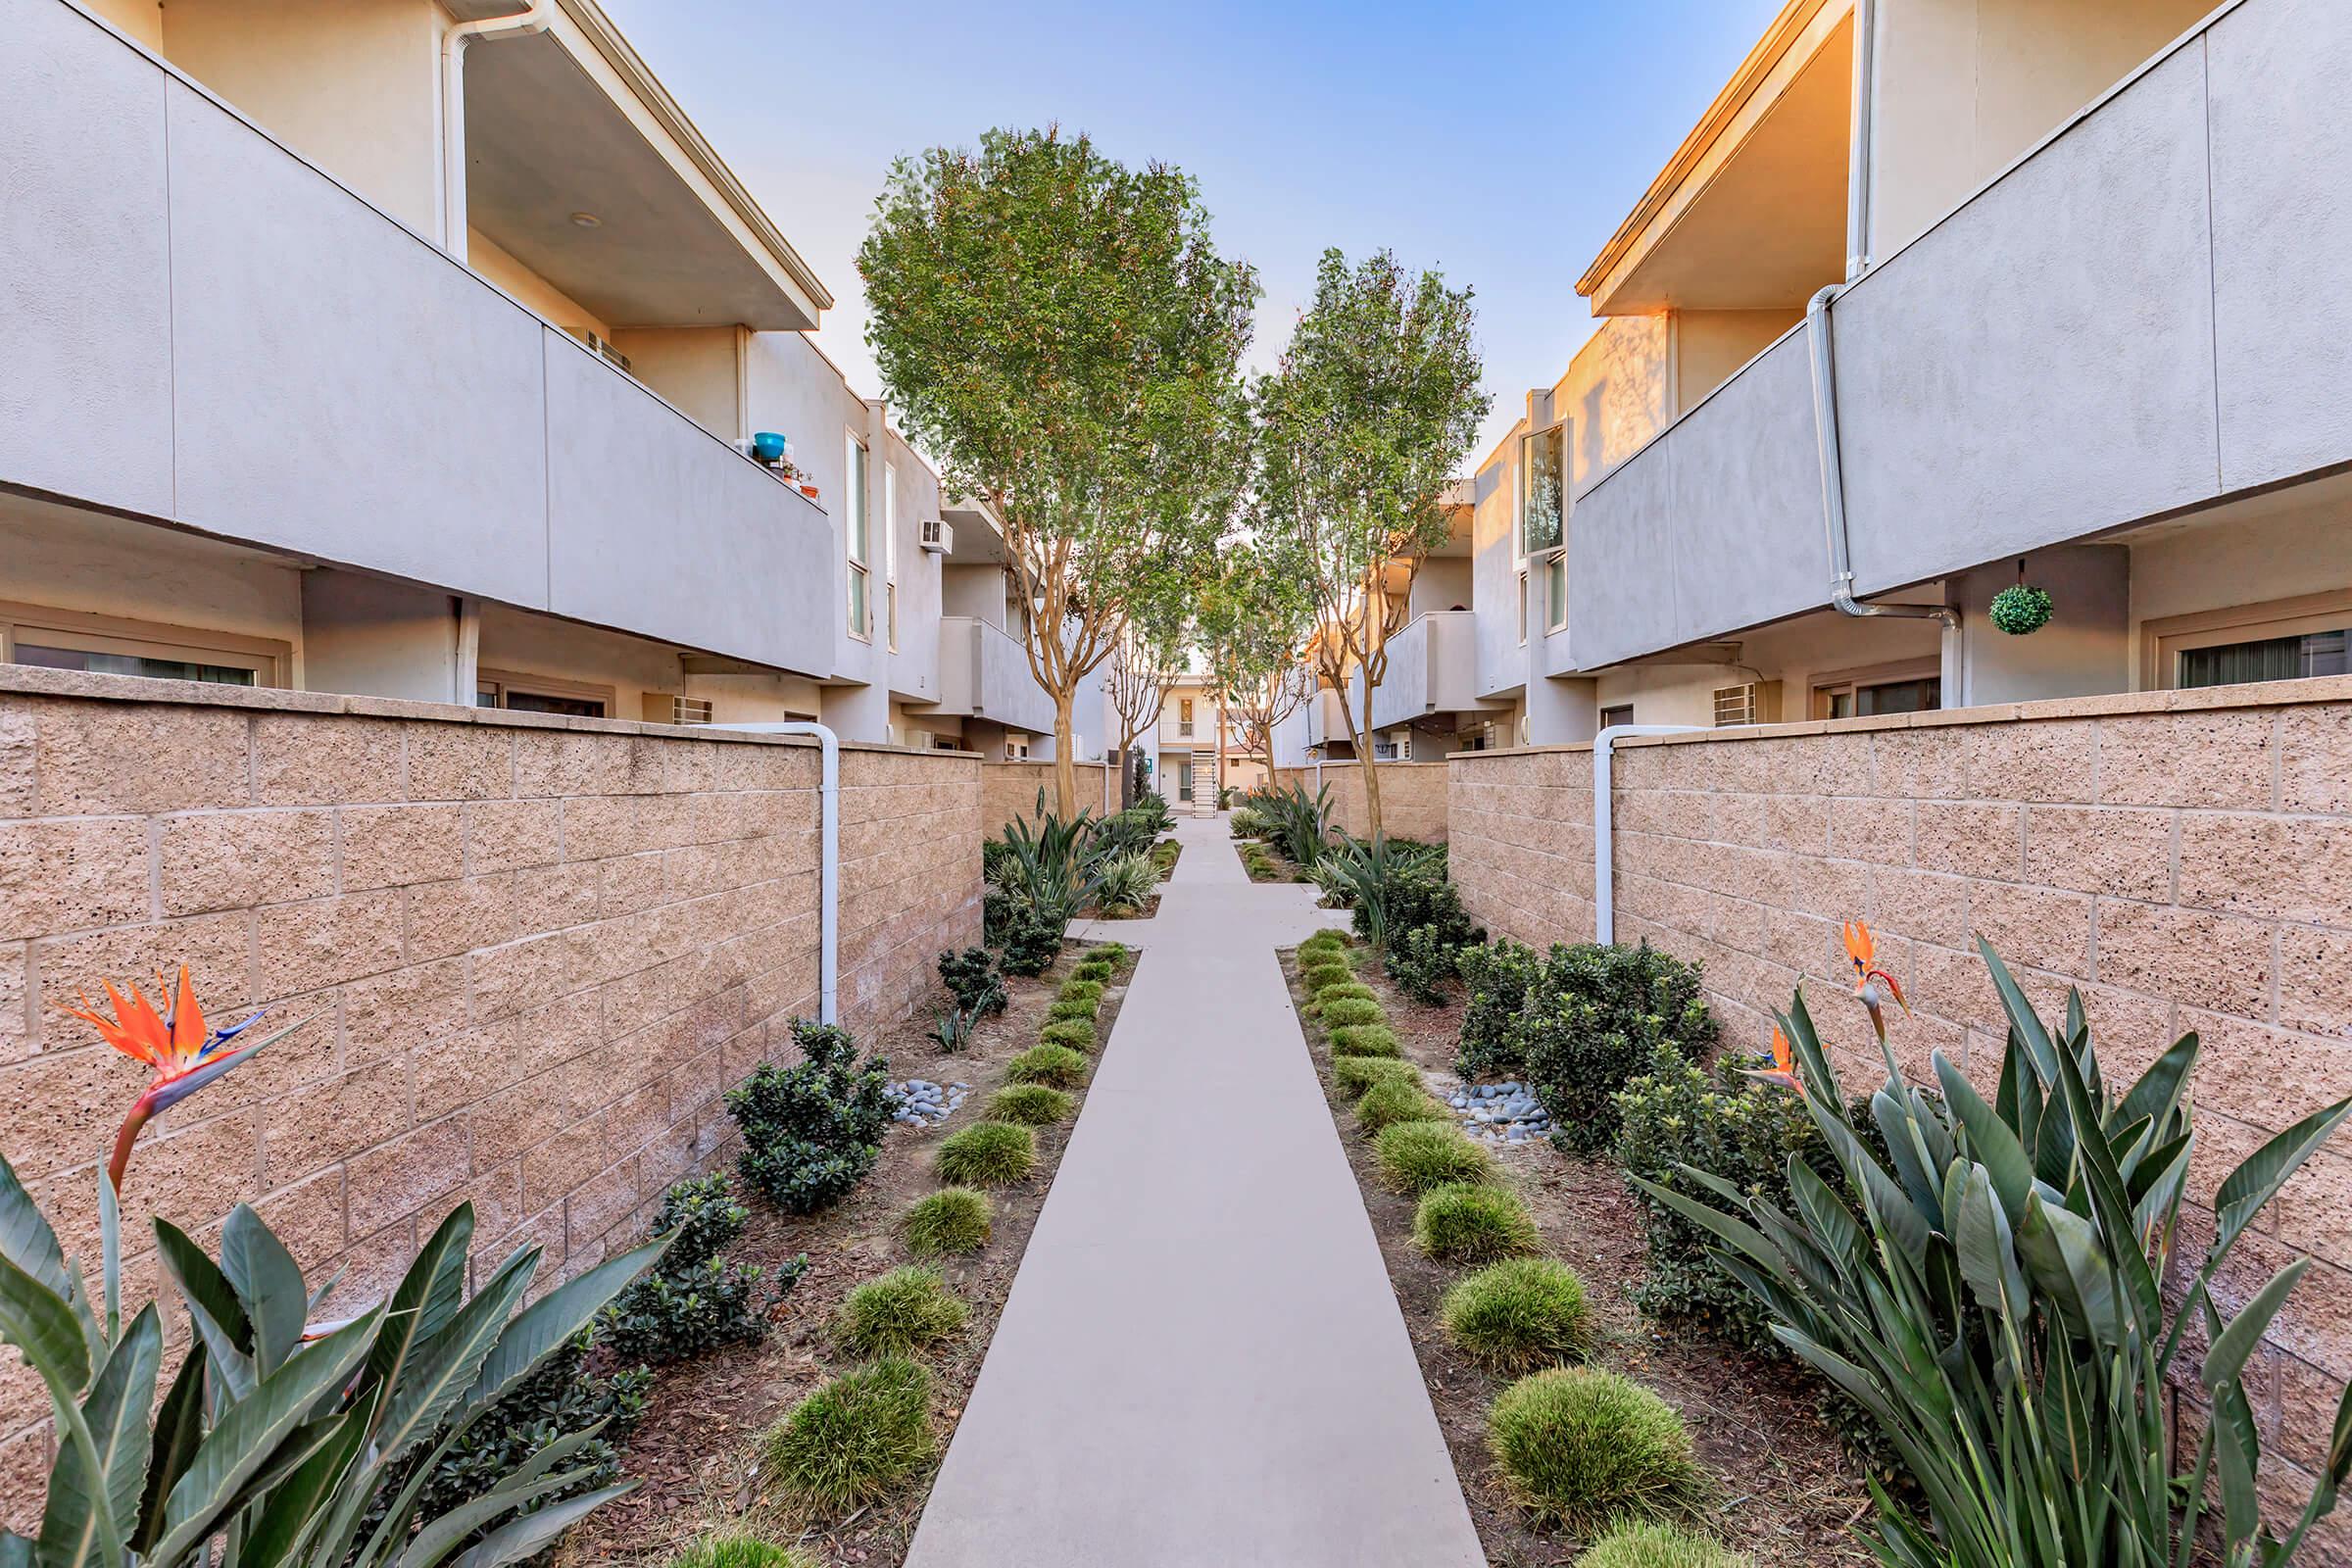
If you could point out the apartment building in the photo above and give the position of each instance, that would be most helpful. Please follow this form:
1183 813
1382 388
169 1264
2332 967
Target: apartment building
2058 286
427 350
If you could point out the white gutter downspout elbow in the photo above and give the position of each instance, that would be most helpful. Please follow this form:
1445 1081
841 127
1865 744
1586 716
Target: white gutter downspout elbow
540 16
828 877
1604 870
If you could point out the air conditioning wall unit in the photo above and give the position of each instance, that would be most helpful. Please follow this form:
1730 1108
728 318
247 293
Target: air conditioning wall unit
936 535
1756 702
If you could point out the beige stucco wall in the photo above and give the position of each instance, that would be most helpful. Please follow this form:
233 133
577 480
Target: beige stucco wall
1711 345
1412 796
698 369
2181 856
1008 789
531 952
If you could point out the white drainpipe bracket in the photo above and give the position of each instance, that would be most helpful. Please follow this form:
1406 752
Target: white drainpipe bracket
828 879
537 18
1604 886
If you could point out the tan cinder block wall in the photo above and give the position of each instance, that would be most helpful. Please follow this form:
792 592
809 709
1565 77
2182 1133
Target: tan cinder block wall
1412 796
1009 789
2184 857
531 952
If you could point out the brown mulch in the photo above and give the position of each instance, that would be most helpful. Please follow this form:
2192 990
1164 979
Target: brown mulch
696 1451
1791 1495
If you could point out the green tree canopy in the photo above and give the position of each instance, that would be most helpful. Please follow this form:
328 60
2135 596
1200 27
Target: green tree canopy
1059 333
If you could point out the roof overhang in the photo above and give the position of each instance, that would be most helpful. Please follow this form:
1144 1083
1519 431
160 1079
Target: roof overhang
571 121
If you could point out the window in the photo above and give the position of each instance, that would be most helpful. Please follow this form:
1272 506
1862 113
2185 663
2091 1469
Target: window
1183 718
1556 592
1522 606
859 528
1622 713
2287 639
1016 750
1913 688
1542 497
890 552
109 645
541 693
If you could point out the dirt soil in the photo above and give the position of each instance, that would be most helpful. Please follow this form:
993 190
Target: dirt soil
1790 1494
696 1451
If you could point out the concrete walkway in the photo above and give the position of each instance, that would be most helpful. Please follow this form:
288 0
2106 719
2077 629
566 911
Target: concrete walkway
1202 1362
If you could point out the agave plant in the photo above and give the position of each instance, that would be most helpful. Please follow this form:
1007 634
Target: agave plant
1299 823
1993 1293
1125 882
274 1435
1367 875
1046 865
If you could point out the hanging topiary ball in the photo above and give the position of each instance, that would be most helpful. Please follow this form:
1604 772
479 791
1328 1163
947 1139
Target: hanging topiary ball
2021 610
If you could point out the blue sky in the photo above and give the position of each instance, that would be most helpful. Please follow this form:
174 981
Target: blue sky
1502 143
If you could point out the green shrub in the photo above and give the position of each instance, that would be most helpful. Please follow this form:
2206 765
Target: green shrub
971 977
1065 1012
1585 1448
1427 928
1466 1224
1345 990
1422 965
987 1153
1089 991
1350 1012
856 1437
733 1550
1652 1545
1126 882
1330 972
1365 1040
811 1131
1091 969
1030 1105
1385 1104
1335 940
691 1302
1521 1313
1598 1023
1731 1127
1076 1033
908 1308
1417 1155
1057 1065
1108 952
1355 1074
953 1220
1495 981
1032 941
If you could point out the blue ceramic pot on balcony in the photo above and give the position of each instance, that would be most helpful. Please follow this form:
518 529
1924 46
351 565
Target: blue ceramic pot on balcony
767 446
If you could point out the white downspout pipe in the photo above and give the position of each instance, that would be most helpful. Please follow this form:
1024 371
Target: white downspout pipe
1860 154
1833 475
1604 870
536 18
828 873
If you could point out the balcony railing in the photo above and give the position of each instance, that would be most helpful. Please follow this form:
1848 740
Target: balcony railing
2142 315
1432 668
209 330
984 673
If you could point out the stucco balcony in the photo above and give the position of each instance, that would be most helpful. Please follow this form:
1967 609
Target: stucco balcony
2147 311
206 330
1433 668
984 673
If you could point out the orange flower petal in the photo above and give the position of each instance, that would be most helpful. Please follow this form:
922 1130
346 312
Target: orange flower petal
187 1021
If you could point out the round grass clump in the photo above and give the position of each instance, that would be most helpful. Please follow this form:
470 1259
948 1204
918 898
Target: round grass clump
1030 1105
1080 991
1659 1545
1350 1012
1344 991
1094 970
1461 1223
736 1551
907 1310
1384 1105
1057 1065
1355 1074
1347 985
1521 1314
1108 951
987 1153
853 1440
1417 1155
1585 1448
1067 1012
1365 1040
1325 972
1324 941
1076 1033
953 1220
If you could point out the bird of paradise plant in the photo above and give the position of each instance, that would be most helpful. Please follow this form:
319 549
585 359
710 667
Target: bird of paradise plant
1783 1070
1992 1292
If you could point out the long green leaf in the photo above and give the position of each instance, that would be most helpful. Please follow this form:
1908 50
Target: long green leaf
522 1538
37 1320
2226 1358
445 1367
429 1296
2023 1020
2255 1183
297 1506
178 1432
109 1253
1991 1142
212 1307
538 1329
268 1285
249 1433
534 1478
26 1239
76 1516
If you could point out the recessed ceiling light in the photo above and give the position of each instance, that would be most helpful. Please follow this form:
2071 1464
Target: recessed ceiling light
587 220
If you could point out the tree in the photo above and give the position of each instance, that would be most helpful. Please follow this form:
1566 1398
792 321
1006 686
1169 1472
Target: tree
1362 424
1061 335
1255 621
1146 664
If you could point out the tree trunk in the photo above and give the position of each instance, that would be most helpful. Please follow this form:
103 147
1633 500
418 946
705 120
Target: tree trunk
1066 764
1371 770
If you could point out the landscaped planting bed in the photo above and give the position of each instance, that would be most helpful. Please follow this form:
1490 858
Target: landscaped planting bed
1777 1482
717 1432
